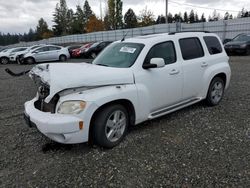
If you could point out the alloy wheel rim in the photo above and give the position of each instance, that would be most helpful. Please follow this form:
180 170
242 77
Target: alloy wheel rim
217 92
4 61
115 126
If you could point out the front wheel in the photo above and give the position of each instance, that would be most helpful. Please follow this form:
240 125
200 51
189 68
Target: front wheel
215 91
4 60
110 126
30 60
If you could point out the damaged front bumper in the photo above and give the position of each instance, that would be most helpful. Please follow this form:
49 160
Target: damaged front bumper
61 128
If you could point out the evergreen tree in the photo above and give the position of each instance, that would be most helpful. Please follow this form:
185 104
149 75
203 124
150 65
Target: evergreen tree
226 16
70 21
118 14
185 19
203 19
115 14
170 18
161 19
106 22
196 18
111 14
130 19
77 24
87 12
60 18
41 28
191 17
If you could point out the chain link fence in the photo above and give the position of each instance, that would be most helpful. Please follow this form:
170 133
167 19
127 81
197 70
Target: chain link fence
225 29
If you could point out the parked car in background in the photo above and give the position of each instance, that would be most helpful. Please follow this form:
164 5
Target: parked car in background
72 48
2 48
46 53
139 79
18 55
79 52
239 45
5 54
95 49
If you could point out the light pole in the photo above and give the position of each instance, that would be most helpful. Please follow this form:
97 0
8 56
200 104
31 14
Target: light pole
166 11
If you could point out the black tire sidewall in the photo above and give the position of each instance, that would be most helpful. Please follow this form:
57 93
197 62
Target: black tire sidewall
62 58
100 122
30 60
208 98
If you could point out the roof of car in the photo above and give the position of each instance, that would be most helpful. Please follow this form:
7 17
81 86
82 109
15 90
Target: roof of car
152 38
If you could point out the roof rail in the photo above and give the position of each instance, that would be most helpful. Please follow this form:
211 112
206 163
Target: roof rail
173 33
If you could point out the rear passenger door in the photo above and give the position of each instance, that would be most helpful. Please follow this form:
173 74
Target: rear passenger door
53 53
194 65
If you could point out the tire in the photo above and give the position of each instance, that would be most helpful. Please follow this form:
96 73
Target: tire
30 60
62 58
18 61
215 91
93 55
110 126
4 60
248 51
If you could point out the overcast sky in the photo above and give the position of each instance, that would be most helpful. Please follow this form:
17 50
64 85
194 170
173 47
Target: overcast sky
17 16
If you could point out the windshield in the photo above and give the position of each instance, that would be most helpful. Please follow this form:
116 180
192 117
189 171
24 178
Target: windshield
95 44
19 49
120 55
242 38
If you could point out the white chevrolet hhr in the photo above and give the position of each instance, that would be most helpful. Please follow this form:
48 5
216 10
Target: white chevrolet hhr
131 81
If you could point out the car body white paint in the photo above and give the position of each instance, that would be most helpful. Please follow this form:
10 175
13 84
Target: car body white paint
152 92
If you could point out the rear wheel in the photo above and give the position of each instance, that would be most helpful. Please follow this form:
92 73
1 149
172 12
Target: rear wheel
30 60
62 58
110 126
215 91
4 60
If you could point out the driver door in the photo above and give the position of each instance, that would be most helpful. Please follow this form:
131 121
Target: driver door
162 86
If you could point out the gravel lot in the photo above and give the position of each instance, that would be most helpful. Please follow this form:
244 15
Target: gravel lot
198 146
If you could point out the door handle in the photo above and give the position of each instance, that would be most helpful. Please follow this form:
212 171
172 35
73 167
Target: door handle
174 71
204 64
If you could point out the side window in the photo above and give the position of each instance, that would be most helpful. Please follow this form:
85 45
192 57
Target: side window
51 48
163 50
43 49
213 45
191 48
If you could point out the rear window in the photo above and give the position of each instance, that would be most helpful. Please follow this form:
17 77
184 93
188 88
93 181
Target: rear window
191 48
213 45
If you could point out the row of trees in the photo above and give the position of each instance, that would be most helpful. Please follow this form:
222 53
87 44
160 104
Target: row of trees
83 20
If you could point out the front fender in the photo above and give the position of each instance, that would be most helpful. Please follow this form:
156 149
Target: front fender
103 95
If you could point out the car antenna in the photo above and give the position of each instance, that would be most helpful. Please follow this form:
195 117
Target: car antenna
124 36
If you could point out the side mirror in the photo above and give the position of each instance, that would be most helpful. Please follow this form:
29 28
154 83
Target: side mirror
35 52
155 63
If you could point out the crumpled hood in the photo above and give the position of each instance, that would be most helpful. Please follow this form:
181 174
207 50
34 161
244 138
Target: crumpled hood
61 76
